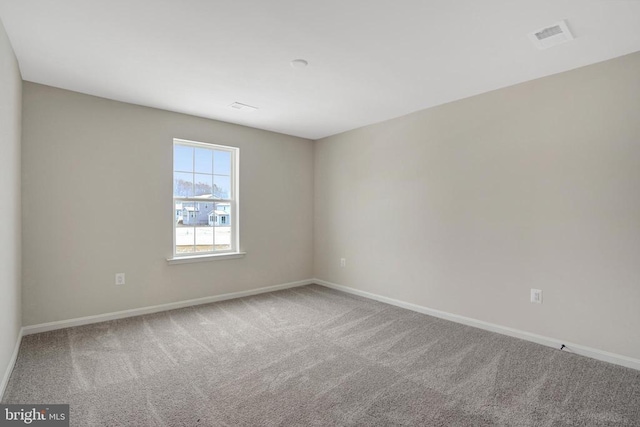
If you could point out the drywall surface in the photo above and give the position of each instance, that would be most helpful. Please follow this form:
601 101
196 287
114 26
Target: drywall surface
97 200
10 252
466 207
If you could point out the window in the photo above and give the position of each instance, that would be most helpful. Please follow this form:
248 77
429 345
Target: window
205 185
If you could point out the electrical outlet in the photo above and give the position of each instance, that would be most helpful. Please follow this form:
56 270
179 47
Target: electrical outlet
343 262
119 278
536 296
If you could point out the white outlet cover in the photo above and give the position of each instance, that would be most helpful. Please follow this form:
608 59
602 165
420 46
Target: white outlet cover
120 279
536 296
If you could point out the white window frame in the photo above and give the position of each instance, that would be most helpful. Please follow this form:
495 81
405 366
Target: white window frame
234 251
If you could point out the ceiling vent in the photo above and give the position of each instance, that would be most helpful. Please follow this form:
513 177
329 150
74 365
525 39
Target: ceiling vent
242 107
555 34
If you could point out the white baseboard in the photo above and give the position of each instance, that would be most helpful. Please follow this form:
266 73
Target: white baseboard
593 353
12 363
61 324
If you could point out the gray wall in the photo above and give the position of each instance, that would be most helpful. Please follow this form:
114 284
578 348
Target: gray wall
89 162
532 186
461 208
10 126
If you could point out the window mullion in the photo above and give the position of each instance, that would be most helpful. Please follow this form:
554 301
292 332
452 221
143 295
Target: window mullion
193 193
215 205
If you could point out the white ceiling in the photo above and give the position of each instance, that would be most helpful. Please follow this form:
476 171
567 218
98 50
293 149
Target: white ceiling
368 60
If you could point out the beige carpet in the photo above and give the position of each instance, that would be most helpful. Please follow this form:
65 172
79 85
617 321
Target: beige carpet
314 356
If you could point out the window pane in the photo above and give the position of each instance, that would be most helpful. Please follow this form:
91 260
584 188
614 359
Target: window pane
204 160
184 239
198 213
221 187
182 158
178 212
204 239
222 226
203 185
185 213
221 162
182 184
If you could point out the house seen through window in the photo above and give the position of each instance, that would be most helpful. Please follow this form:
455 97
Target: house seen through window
204 198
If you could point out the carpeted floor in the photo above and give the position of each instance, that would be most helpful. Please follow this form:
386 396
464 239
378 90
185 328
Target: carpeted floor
314 356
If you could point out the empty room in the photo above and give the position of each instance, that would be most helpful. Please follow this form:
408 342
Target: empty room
337 213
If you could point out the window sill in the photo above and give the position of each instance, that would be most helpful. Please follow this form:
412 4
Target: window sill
203 258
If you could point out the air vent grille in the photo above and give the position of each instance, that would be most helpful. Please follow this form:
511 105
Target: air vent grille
243 107
552 35
548 32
